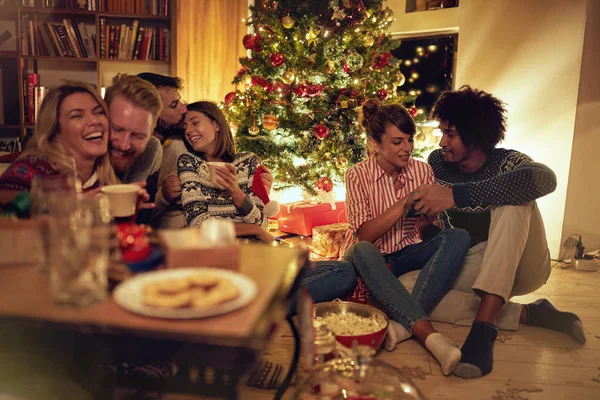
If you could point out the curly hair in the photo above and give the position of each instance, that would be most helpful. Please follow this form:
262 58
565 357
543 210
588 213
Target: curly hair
479 117
377 116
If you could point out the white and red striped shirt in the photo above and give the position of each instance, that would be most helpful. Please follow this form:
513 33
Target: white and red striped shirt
370 192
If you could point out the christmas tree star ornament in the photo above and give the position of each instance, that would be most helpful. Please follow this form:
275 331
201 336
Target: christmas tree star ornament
338 13
311 36
271 208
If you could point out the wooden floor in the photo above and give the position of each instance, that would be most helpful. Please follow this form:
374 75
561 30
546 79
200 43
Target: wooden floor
529 364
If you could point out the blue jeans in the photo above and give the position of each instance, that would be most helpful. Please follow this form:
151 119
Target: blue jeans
326 280
439 259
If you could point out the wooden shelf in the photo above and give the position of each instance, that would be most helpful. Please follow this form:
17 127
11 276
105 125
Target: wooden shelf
8 54
135 16
49 58
82 67
135 61
64 11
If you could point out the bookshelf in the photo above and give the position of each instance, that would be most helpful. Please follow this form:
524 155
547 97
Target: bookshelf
69 39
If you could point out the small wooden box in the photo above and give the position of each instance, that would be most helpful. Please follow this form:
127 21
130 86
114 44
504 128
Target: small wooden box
183 249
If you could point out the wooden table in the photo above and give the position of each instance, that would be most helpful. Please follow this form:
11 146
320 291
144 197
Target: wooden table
226 345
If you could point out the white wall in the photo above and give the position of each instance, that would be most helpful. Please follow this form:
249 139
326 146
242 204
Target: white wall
582 212
528 53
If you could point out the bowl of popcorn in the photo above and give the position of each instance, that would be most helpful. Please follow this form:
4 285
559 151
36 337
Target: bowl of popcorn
352 322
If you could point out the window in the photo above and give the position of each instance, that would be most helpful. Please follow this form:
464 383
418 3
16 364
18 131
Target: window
428 65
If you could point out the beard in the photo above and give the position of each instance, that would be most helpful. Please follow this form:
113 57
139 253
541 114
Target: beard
164 125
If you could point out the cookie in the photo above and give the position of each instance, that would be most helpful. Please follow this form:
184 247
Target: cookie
179 300
222 293
173 286
203 280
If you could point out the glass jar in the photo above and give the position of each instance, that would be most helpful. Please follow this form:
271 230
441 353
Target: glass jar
357 377
325 349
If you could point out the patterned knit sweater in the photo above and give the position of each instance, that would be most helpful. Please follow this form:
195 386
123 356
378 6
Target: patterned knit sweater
507 177
202 199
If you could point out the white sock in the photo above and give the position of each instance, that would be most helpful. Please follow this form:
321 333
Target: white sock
444 350
396 333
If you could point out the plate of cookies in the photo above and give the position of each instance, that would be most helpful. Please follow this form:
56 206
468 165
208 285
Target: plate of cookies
185 293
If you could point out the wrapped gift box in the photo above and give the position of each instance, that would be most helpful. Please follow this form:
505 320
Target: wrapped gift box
328 241
299 218
183 248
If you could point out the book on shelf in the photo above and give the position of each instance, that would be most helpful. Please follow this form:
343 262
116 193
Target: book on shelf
44 3
56 39
32 81
10 144
151 7
39 94
134 42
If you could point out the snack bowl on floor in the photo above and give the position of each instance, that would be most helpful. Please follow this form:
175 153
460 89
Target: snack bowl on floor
351 322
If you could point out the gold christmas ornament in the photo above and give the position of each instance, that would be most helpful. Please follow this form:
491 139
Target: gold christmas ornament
287 77
288 22
327 155
246 79
341 162
388 15
344 103
399 78
254 130
270 122
368 40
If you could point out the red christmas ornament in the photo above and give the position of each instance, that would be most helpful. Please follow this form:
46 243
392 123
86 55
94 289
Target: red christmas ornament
229 98
382 94
325 184
346 68
281 87
313 90
252 42
301 90
263 83
321 131
382 60
413 111
277 59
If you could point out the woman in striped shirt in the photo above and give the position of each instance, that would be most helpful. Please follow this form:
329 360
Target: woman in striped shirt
378 192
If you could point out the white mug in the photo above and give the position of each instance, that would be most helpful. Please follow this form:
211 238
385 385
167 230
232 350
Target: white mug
122 199
212 173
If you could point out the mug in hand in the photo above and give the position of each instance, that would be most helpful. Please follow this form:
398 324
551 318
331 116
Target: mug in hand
122 199
212 173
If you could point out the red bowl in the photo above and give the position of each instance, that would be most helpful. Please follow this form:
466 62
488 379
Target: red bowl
373 340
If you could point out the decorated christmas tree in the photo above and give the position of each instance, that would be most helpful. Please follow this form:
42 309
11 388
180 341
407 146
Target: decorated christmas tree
312 64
